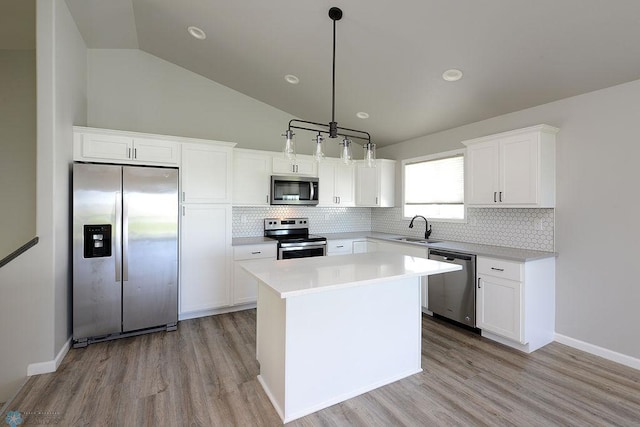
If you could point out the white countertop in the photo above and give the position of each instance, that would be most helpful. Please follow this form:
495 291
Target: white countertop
302 276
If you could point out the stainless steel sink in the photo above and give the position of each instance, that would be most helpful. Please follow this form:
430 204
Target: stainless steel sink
416 240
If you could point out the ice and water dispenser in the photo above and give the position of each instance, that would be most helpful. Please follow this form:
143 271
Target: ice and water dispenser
97 241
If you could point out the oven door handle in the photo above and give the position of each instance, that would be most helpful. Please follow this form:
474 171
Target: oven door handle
302 245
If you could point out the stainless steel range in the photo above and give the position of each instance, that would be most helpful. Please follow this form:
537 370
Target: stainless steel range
294 240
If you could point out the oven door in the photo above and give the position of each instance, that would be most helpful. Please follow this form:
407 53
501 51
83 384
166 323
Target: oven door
301 250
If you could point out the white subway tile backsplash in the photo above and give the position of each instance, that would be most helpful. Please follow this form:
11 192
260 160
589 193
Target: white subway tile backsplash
516 228
248 221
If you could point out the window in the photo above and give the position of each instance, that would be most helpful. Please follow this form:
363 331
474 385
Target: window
434 186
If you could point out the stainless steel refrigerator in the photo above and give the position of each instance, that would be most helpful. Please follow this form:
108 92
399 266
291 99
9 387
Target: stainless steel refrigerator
125 251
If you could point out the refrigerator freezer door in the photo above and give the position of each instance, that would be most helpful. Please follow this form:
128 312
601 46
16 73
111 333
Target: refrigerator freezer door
97 289
150 247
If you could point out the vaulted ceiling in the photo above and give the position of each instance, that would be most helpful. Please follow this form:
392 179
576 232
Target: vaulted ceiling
390 56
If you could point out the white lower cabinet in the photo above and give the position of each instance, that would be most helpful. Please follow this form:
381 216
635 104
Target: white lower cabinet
245 286
515 301
339 247
204 258
499 307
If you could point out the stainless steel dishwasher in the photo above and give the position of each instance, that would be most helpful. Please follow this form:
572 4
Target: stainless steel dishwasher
453 295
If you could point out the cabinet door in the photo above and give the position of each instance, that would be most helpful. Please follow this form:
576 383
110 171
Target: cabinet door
367 186
111 147
206 174
205 256
251 178
306 165
327 182
344 187
482 173
245 286
519 169
156 151
499 307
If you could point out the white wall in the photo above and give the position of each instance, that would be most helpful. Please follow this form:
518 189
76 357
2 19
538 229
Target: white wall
597 226
136 91
35 287
17 148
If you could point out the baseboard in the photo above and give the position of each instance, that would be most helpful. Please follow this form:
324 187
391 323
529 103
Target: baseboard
51 365
614 356
212 312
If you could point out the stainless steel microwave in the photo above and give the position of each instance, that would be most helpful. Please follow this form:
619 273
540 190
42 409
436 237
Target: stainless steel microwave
294 190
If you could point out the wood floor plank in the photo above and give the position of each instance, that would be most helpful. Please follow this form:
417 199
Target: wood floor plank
204 374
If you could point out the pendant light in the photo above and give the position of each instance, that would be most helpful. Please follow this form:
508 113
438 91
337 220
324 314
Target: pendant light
331 129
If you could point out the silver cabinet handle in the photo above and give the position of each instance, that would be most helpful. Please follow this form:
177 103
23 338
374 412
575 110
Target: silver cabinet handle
479 279
495 197
135 153
376 200
256 253
338 199
340 246
125 237
267 198
500 198
497 269
183 196
118 237
184 212
128 153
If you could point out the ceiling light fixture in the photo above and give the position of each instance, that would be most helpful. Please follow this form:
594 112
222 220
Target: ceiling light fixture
332 129
290 78
362 115
452 75
197 33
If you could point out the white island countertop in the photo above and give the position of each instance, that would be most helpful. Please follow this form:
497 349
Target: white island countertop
302 276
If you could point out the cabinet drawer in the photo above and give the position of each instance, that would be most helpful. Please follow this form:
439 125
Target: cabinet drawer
255 251
336 247
500 268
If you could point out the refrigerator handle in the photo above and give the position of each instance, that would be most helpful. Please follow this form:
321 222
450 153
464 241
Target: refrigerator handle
125 237
118 237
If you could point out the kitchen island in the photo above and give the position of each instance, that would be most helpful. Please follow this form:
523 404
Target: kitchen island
331 328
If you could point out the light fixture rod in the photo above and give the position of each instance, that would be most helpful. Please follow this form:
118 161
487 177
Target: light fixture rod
333 77
362 134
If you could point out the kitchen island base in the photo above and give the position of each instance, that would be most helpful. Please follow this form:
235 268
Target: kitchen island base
319 349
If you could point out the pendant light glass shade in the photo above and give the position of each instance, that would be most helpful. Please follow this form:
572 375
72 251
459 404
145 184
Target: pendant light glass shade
345 152
370 155
289 146
318 154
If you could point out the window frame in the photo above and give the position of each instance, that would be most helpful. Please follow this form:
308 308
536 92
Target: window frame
437 156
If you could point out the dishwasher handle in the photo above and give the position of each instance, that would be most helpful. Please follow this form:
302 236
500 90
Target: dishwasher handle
451 256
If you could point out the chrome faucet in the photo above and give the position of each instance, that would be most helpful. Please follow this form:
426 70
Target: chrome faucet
427 227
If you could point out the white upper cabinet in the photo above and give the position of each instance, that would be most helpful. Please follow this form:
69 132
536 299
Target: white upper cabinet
375 187
251 177
337 183
512 169
103 145
206 173
301 165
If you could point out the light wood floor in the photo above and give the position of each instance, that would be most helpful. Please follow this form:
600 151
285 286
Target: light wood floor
205 374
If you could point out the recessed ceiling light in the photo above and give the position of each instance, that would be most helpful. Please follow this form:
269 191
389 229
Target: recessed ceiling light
362 115
197 33
452 75
292 79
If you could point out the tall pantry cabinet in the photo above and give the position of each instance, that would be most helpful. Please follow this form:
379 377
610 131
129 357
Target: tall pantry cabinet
206 249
